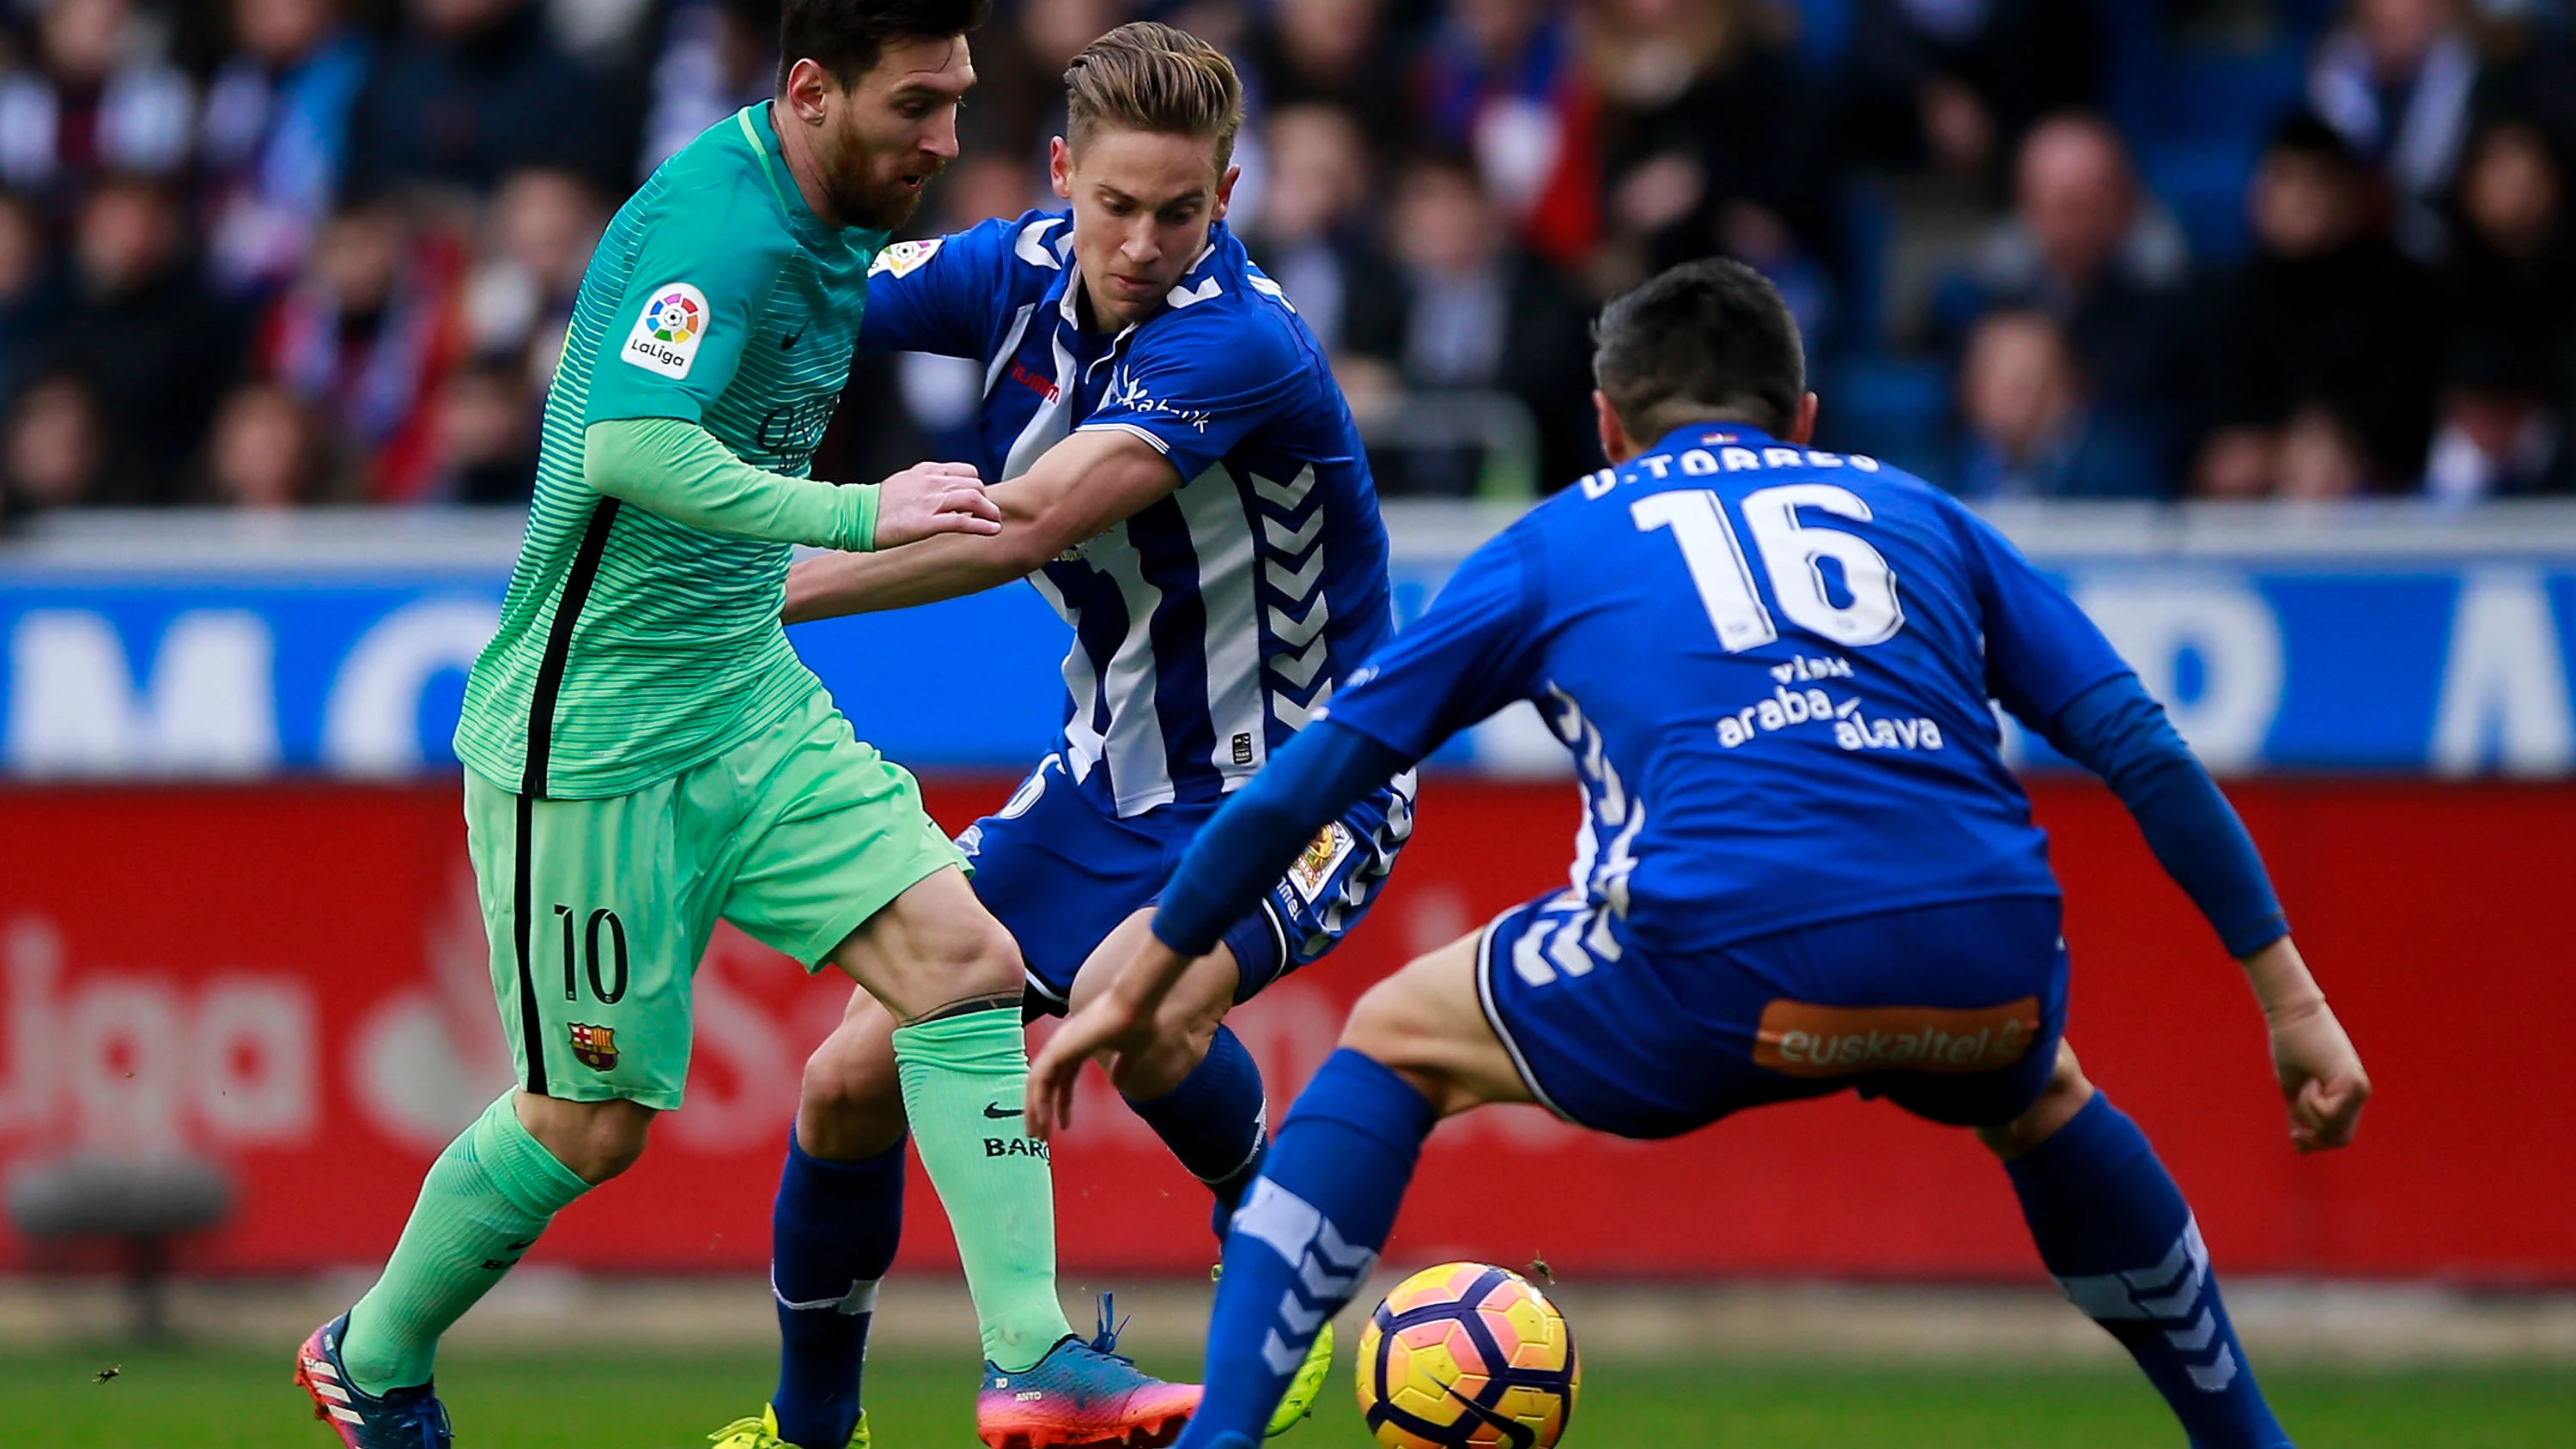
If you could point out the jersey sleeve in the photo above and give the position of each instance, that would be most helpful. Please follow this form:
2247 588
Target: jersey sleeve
1471 653
2042 653
699 288
939 295
1197 386
2115 730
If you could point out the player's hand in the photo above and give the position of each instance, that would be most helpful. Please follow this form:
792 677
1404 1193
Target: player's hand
929 499
2321 1075
1107 1028
1117 1027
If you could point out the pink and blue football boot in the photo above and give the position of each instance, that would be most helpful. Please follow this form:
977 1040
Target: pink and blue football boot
1082 1394
396 1419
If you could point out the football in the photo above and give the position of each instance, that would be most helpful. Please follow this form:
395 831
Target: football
1467 1354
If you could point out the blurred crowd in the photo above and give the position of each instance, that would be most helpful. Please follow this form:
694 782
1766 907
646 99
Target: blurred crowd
274 253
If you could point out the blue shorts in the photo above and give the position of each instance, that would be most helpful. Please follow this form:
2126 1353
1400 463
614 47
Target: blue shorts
1060 870
1952 1012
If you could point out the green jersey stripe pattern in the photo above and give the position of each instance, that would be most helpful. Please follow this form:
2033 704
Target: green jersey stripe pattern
716 297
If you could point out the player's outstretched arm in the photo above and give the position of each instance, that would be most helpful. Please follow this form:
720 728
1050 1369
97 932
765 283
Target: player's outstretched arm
684 473
1079 489
2050 666
2321 1075
2119 732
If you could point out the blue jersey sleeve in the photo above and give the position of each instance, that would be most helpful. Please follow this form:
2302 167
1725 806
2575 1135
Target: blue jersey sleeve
1197 384
1472 652
2115 730
2050 666
939 295
2042 653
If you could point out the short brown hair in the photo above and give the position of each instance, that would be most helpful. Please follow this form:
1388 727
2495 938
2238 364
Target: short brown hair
1707 340
1147 76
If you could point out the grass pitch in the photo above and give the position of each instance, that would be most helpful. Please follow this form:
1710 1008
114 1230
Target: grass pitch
225 1399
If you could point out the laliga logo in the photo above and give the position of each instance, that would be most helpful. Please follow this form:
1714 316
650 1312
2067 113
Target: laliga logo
667 335
148 1061
674 318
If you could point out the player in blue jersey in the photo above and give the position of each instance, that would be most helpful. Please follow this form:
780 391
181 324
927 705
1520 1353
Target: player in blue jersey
1803 866
1179 476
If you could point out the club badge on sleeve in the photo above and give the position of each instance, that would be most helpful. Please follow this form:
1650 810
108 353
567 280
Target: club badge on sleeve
1316 863
903 258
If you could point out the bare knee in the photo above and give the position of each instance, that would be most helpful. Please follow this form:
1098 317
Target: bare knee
1423 1023
1376 1026
979 959
933 951
594 1140
2064 1096
851 1105
969 959
1386 1027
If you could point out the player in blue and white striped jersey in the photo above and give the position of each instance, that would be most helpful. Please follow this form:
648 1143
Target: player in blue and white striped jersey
1233 568
1178 474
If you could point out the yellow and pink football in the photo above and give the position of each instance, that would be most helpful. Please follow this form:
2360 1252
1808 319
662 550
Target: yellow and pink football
1467 1354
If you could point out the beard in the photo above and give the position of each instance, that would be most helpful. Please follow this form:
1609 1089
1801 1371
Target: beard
869 193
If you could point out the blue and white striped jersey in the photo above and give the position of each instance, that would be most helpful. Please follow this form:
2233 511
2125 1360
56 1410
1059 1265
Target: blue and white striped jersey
1209 626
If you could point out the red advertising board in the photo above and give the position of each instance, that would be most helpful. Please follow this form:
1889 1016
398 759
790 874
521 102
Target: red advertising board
290 980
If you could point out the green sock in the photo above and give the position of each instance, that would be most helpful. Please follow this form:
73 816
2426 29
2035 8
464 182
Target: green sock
486 1199
965 1081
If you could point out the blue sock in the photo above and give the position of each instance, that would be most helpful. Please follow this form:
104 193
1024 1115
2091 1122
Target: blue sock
1307 1236
2114 1229
1213 1123
832 1235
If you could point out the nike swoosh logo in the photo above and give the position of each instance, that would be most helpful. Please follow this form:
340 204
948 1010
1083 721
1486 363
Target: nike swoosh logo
996 1113
789 340
1516 1434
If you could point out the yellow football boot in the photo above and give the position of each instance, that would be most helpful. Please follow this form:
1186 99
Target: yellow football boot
1299 1401
762 1433
1306 1387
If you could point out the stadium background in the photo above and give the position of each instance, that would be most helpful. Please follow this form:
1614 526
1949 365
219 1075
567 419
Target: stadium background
2256 322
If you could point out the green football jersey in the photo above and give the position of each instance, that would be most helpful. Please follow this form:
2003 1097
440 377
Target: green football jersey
632 647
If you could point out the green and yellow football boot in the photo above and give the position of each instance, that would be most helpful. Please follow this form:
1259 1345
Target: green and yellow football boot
1306 1387
762 1433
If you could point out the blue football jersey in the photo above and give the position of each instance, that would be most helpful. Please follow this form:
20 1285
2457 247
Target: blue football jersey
1211 625
1773 667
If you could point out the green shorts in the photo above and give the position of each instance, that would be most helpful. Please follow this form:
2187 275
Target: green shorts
599 910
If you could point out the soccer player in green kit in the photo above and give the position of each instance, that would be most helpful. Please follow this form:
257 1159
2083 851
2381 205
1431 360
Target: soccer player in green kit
645 753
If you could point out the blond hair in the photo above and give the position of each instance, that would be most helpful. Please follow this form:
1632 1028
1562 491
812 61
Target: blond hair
1147 76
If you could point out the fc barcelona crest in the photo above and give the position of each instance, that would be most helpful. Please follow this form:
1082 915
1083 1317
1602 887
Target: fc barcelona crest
595 1047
